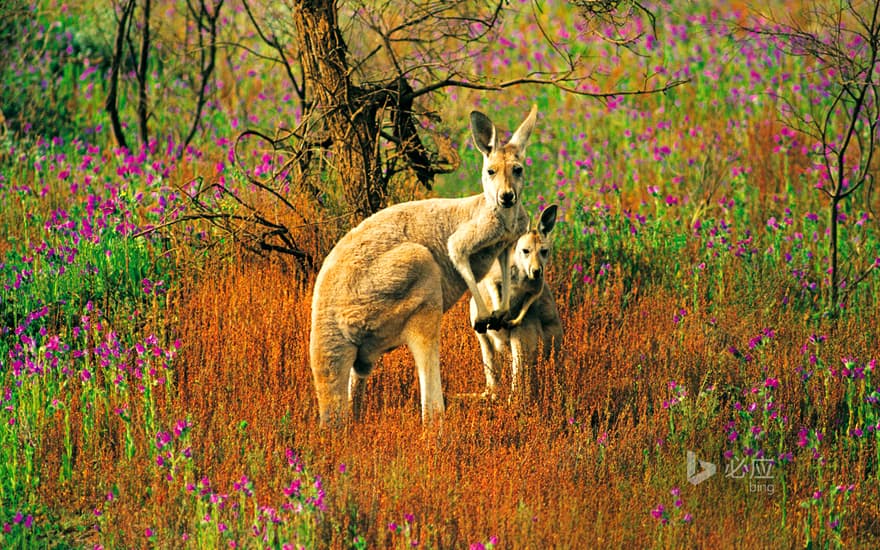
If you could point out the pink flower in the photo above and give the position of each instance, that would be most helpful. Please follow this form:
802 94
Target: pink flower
658 512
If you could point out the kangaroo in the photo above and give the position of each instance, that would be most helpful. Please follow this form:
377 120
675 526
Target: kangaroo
535 317
389 280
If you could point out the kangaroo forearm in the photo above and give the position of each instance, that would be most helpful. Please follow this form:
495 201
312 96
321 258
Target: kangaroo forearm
504 262
525 308
462 265
461 246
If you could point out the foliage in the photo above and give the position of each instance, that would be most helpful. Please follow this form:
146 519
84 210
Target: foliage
154 380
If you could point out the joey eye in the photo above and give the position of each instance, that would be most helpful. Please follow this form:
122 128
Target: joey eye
490 172
526 251
544 252
517 170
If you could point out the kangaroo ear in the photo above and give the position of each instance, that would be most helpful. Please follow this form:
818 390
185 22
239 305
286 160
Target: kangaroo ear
548 219
483 131
521 136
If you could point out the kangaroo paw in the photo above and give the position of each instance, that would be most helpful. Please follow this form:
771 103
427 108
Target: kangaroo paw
481 325
495 321
498 320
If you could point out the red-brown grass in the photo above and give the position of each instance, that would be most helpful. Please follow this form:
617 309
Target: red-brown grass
580 466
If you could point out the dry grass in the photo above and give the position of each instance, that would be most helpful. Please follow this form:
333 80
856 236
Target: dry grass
581 466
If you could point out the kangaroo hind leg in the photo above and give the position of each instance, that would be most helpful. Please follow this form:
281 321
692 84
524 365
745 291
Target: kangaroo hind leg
552 335
524 356
331 362
363 366
491 354
422 335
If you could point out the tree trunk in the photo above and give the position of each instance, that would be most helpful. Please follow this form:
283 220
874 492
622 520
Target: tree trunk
142 71
835 283
111 105
350 113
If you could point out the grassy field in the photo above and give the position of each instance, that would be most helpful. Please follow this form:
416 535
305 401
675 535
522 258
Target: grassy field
156 390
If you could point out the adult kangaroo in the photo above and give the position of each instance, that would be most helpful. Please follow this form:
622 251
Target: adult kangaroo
389 280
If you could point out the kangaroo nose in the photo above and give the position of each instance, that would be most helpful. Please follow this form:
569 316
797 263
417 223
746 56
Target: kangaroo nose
507 198
536 274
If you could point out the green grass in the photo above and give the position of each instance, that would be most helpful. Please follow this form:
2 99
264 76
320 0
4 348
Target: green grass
691 262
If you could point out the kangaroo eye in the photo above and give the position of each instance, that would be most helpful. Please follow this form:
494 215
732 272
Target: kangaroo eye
517 170
490 172
526 251
544 252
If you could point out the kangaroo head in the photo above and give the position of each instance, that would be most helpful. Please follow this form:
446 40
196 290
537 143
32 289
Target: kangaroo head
533 248
502 163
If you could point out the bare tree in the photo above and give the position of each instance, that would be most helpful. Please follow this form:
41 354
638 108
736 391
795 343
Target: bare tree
206 14
124 16
841 41
134 50
137 57
367 75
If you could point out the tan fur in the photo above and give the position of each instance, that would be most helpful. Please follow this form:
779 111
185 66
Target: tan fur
535 318
390 279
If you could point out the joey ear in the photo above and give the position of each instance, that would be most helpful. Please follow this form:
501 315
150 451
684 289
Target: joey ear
483 132
521 136
548 219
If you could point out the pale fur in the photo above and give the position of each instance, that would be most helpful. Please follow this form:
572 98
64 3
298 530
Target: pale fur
535 319
390 279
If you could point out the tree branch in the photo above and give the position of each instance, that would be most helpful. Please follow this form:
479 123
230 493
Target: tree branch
560 83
